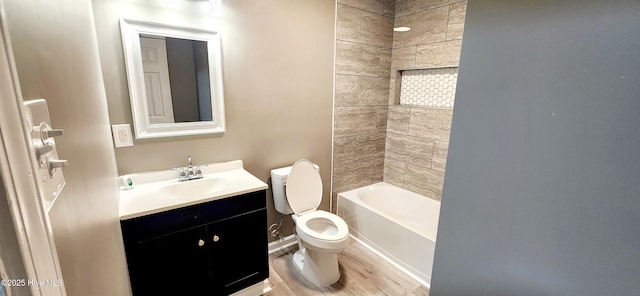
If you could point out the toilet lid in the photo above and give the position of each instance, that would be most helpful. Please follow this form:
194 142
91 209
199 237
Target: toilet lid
304 187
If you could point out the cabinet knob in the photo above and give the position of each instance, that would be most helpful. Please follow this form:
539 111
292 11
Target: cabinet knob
200 243
216 238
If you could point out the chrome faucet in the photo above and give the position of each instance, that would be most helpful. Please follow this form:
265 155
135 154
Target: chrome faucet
189 172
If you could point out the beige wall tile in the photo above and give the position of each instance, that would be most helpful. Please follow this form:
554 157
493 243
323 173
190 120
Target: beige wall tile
403 58
366 120
441 54
372 91
348 23
355 25
362 72
357 59
352 175
455 26
344 149
389 8
426 27
394 147
430 123
376 29
406 7
382 113
398 119
357 120
368 5
433 41
346 91
378 170
394 172
429 4
345 121
385 62
413 150
370 146
404 146
439 160
391 100
424 181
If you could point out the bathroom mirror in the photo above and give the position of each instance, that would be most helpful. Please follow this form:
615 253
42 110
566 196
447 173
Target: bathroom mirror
175 79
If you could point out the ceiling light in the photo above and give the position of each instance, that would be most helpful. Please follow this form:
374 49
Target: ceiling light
401 29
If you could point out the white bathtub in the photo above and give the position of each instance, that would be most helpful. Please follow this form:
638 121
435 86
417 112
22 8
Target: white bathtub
397 223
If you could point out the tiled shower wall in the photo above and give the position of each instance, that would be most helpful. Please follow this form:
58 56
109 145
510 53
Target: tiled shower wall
364 40
418 137
368 58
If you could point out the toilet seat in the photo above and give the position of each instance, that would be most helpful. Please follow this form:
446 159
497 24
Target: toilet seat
322 231
317 228
323 225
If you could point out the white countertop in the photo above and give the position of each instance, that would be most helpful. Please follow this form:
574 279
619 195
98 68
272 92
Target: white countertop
150 196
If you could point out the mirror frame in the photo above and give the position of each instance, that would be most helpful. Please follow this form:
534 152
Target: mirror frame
131 30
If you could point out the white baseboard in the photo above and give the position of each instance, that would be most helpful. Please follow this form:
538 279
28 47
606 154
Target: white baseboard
282 244
257 289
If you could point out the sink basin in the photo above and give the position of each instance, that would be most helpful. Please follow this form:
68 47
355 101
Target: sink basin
206 186
160 191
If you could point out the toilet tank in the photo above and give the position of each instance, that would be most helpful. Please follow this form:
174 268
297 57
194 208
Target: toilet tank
278 183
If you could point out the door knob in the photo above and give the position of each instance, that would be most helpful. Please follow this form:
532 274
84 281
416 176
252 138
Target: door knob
216 238
200 243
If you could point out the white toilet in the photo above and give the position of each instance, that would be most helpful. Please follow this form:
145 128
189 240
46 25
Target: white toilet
297 190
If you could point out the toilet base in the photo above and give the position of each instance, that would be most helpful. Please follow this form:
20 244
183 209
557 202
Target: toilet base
319 268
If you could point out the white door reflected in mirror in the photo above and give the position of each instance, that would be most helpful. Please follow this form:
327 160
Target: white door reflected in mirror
156 79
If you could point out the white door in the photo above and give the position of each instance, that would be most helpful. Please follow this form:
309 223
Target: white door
28 257
156 80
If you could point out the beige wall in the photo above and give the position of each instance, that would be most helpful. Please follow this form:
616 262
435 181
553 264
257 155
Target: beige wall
418 137
364 38
56 55
277 61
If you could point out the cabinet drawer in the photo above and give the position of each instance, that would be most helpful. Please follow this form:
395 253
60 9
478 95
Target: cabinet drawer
160 224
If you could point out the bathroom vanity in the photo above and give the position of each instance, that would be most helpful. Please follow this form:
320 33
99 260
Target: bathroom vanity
192 243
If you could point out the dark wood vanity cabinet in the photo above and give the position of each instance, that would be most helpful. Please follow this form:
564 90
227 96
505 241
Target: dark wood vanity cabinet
213 248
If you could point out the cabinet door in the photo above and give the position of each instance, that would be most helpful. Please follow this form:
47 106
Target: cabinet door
172 264
239 255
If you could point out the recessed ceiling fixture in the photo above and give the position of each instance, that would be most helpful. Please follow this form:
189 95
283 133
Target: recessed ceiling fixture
401 29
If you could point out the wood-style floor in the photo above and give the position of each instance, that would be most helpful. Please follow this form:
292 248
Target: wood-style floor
362 272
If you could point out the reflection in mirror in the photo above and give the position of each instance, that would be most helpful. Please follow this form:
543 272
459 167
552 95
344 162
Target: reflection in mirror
175 79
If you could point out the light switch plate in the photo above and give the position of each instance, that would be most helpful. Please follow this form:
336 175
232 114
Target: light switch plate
122 135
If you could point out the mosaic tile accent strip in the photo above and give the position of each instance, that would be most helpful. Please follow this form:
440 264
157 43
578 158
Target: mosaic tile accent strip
429 87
